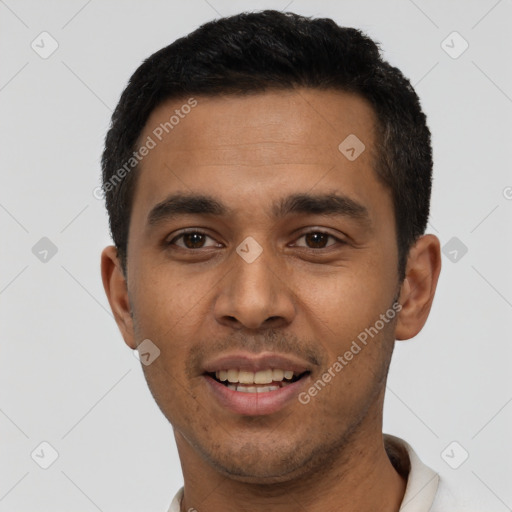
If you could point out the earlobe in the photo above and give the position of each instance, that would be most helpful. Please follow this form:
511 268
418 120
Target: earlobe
419 286
114 283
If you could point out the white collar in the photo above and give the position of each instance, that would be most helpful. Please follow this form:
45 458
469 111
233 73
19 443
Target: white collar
422 482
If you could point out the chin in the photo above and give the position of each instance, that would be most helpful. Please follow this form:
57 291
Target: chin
259 476
254 465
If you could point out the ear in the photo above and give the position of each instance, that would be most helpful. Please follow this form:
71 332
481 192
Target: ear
419 286
116 289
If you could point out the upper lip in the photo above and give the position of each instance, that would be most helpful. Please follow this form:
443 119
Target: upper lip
253 363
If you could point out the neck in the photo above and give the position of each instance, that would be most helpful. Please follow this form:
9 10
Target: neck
360 477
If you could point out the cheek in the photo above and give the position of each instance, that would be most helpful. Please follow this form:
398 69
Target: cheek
354 374
167 300
167 309
177 399
348 300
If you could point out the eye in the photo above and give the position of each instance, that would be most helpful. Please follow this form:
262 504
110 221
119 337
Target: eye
318 240
192 240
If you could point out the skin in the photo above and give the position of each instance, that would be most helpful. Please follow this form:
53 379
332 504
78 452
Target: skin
305 299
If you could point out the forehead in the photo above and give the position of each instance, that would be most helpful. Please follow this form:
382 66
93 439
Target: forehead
306 119
250 147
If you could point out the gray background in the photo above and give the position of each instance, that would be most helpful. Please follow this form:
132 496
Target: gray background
66 376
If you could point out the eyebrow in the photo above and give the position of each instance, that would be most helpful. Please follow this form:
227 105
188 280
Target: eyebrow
322 204
184 204
331 204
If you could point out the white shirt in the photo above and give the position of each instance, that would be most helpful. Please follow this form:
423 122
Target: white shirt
425 491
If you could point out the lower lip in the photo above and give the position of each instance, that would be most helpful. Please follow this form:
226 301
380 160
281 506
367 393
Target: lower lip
255 404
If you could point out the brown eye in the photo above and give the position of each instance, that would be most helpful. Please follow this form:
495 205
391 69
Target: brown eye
192 240
318 240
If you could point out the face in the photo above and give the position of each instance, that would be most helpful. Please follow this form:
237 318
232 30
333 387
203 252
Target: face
259 252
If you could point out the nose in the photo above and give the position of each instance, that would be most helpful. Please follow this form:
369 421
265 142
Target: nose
255 295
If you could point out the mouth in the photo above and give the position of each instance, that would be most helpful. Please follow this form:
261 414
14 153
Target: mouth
262 381
254 385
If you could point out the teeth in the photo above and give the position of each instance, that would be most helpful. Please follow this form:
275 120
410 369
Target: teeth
246 377
261 377
232 375
278 375
255 389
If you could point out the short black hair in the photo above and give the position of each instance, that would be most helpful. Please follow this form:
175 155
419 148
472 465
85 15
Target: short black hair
268 50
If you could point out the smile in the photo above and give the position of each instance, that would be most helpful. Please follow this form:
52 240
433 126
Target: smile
262 381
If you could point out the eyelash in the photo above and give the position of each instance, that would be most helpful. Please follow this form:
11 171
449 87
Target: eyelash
199 232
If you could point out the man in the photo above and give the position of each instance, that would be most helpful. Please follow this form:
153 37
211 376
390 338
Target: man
268 181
